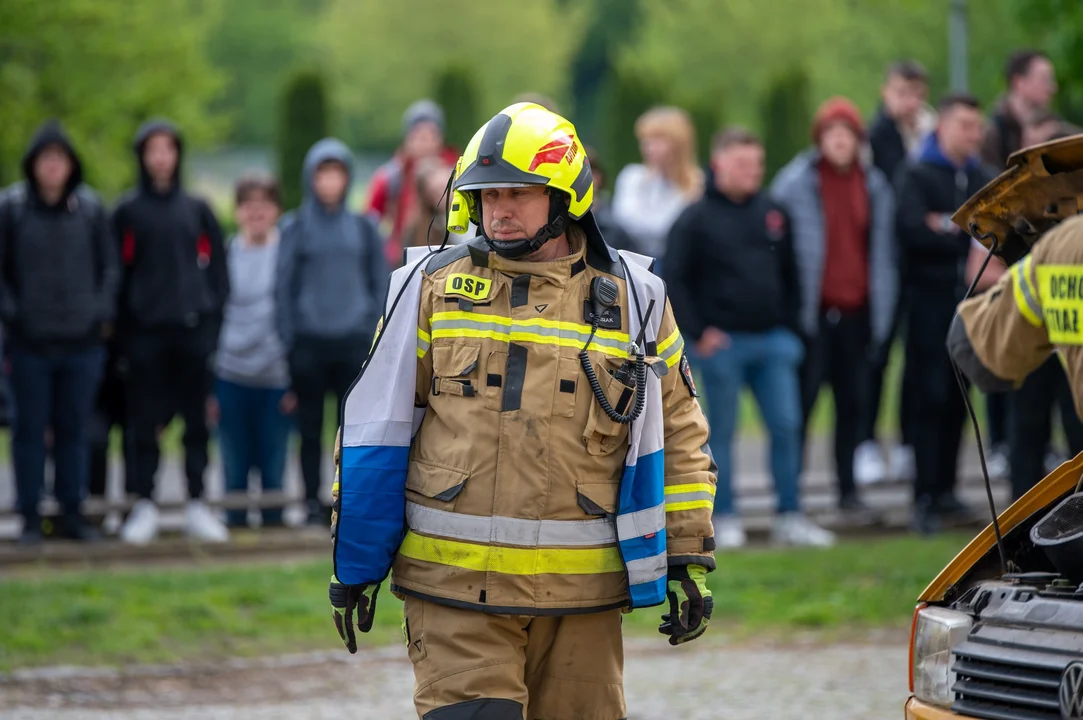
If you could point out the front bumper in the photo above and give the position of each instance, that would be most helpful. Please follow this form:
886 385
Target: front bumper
917 710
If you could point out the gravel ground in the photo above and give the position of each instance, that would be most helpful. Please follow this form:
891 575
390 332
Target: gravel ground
860 680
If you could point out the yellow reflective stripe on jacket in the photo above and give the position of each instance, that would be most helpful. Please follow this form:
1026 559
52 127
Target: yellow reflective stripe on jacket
459 324
670 349
1060 292
692 496
1026 298
511 561
424 342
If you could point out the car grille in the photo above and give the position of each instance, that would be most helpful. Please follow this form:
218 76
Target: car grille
1006 683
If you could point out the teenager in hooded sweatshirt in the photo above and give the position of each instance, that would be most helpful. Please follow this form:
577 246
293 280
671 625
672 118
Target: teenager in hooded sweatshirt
173 287
58 284
330 287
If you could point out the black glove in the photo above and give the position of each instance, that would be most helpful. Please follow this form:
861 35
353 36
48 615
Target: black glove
347 600
690 604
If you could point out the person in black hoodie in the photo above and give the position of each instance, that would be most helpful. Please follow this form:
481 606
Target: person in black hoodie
173 288
732 281
58 285
930 190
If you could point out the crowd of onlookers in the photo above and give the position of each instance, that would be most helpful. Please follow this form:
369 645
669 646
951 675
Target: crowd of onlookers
129 317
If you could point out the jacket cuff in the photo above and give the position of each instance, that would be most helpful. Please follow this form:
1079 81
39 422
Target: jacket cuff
706 561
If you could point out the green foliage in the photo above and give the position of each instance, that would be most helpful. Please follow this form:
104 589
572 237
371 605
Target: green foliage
103 67
456 92
215 612
707 118
1059 26
630 94
304 118
786 116
259 43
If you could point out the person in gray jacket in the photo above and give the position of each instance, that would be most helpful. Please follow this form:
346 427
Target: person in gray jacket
330 285
843 213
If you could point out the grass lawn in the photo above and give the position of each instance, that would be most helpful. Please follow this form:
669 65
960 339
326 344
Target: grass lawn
130 616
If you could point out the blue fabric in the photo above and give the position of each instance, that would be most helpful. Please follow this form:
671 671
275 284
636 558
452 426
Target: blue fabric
931 153
57 390
648 594
252 433
372 518
768 363
643 485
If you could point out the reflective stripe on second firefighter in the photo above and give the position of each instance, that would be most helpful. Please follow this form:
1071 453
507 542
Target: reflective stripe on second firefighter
1026 297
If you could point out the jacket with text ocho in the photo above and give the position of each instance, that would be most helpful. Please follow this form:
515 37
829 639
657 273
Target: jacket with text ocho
487 475
1036 308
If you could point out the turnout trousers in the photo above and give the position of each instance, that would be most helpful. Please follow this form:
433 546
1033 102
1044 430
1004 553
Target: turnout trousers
472 665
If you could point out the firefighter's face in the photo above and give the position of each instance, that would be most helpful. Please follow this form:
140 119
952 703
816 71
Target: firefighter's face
514 213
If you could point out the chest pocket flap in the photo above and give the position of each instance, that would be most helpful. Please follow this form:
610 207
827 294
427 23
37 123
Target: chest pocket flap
455 367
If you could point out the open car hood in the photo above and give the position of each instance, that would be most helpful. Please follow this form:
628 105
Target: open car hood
1041 186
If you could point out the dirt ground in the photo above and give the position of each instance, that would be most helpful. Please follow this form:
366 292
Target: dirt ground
855 680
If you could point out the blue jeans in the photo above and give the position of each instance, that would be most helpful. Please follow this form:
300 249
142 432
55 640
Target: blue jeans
56 388
252 432
768 363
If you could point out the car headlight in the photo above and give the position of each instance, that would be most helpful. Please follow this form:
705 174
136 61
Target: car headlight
936 632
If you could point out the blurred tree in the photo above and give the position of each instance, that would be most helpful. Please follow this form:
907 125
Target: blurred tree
611 24
707 118
455 90
304 120
522 46
786 117
102 68
256 44
630 94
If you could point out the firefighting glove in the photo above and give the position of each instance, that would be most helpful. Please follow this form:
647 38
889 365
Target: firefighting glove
348 600
690 604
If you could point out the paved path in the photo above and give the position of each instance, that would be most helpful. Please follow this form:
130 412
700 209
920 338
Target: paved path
702 681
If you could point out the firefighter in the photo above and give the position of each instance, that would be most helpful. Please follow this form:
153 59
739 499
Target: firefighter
524 449
1035 309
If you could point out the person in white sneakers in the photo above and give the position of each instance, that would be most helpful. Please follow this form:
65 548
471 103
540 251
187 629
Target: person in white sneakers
732 282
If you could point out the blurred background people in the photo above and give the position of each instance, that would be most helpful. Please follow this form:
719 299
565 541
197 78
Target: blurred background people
173 286
59 276
648 197
735 293
843 227
393 190
329 289
902 121
253 402
602 208
430 222
946 174
1031 87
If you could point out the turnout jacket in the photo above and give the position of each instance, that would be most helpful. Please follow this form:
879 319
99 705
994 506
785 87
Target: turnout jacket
476 460
1035 309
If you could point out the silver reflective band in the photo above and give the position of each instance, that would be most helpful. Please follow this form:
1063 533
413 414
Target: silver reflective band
509 531
689 497
1024 285
672 351
641 522
648 569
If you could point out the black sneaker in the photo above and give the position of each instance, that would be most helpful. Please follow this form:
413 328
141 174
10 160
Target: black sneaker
953 512
855 513
75 527
31 535
925 521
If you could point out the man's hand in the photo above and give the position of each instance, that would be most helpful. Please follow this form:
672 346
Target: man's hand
288 403
690 604
346 600
711 341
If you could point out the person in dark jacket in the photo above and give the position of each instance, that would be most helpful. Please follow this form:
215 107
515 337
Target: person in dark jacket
58 284
901 123
946 174
173 287
733 285
843 213
329 290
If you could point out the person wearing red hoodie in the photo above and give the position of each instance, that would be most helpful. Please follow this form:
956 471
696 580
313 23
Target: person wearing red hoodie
392 194
843 213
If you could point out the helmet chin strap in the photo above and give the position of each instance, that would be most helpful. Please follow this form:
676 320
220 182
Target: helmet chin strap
516 249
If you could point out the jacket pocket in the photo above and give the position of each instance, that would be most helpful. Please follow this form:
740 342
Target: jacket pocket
568 381
434 481
597 498
495 369
455 368
603 435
